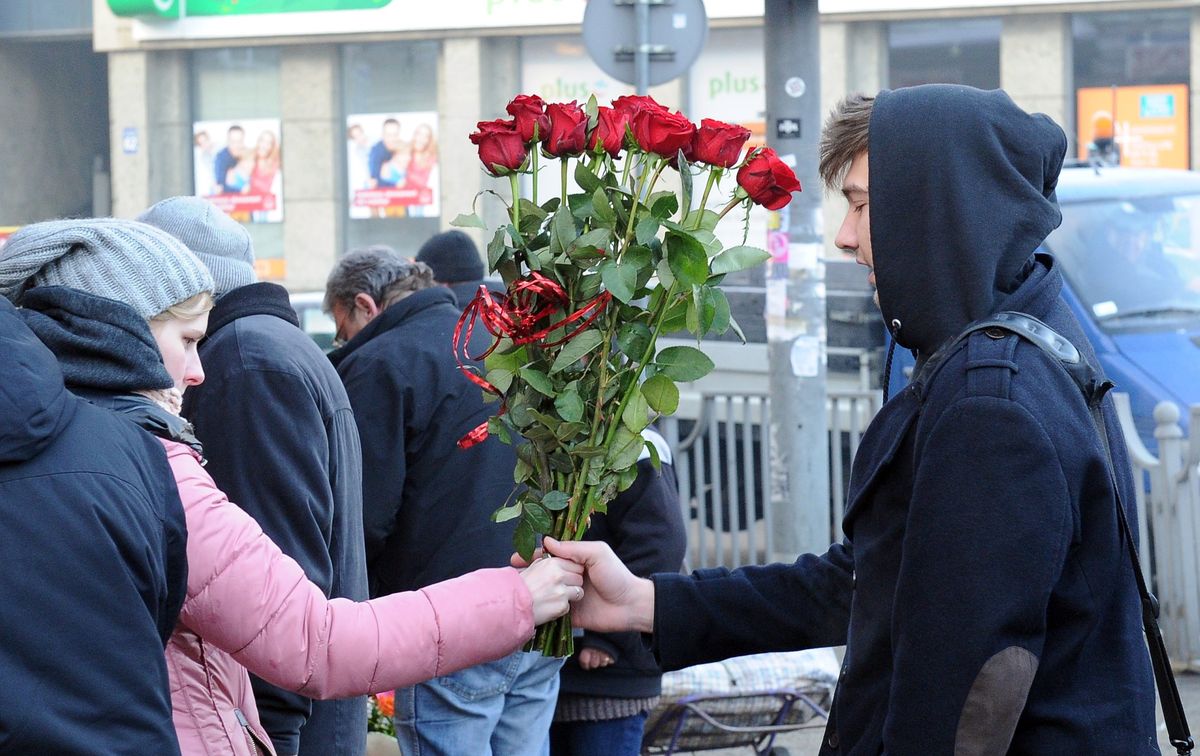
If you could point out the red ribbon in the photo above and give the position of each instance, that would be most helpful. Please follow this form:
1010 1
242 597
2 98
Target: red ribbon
522 316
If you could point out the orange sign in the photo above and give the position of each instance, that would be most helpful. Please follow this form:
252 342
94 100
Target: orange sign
270 268
1142 127
5 232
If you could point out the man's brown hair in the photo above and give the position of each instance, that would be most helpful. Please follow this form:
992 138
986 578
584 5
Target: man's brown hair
844 137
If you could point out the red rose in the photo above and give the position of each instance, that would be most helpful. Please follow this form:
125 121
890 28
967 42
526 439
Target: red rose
568 129
662 132
719 143
610 130
501 147
768 180
631 105
529 112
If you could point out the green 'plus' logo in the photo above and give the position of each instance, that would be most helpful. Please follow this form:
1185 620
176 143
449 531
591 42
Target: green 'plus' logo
170 8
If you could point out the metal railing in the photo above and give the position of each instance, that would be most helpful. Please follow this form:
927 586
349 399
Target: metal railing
1168 503
722 459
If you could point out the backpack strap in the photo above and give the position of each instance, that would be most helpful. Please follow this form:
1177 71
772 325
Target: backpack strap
1094 388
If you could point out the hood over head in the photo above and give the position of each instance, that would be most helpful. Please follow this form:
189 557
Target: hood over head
34 405
961 185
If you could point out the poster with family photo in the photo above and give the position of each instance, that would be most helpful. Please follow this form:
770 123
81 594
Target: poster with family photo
392 165
236 165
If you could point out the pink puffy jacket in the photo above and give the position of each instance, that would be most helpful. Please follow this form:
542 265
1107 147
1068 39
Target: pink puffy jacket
249 606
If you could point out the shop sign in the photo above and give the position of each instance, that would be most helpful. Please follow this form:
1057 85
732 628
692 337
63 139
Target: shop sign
1141 126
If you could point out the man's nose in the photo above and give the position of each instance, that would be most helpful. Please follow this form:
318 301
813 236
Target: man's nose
846 240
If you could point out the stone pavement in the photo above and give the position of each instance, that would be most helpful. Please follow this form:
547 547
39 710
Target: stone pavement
808 743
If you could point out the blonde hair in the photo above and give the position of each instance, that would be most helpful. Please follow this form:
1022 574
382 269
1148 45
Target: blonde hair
192 307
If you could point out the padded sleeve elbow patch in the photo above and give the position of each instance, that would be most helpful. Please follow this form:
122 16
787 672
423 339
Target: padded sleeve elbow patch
995 702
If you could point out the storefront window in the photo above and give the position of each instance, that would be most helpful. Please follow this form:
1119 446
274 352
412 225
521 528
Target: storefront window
391 142
1132 80
945 51
237 143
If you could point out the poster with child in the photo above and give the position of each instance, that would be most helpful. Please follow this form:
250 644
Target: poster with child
392 165
237 166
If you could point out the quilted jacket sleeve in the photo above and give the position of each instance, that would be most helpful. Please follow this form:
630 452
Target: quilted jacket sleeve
249 599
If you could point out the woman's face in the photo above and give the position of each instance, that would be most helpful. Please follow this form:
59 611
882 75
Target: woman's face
266 144
177 339
422 137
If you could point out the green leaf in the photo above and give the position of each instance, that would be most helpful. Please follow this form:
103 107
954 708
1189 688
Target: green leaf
504 356
588 452
675 318
538 380
637 412
638 256
586 179
468 220
721 315
646 229
537 517
525 540
547 421
555 501
708 220
619 279
661 394
633 338
499 429
655 459
496 249
601 207
625 450
575 349
500 378
687 258
701 310
597 238
739 258
589 286
562 231
737 328
685 179
665 276
504 514
627 477
570 430
663 204
569 406
683 363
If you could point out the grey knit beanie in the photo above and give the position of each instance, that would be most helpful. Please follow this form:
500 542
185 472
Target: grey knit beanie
453 257
131 262
219 241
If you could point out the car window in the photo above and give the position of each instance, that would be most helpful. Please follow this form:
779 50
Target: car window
1132 260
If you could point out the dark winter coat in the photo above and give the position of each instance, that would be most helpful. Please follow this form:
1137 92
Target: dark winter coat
94 544
281 442
426 503
644 526
983 590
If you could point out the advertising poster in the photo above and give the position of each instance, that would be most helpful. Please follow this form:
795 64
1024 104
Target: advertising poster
5 232
392 165
1139 126
236 165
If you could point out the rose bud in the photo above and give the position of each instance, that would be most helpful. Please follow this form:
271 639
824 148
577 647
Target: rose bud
662 132
609 133
568 129
718 143
768 180
530 113
501 147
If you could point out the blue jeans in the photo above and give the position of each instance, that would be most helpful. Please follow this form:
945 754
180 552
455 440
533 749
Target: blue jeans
502 708
608 737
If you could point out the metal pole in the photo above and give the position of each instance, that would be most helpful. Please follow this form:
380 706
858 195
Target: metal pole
795 287
641 54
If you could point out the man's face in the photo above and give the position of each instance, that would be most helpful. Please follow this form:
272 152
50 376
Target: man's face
349 319
237 142
391 136
854 236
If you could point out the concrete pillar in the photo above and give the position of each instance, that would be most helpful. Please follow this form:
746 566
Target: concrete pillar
313 204
129 114
169 136
1194 105
461 98
1035 66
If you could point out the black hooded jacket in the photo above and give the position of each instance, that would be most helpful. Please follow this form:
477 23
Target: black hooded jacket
426 503
281 442
94 542
983 590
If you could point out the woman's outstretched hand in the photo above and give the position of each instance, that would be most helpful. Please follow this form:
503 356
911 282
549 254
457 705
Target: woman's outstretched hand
554 584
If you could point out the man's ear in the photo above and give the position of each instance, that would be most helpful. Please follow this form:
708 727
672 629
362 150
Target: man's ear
366 303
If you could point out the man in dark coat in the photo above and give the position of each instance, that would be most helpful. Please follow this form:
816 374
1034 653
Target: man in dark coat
456 264
427 503
983 591
94 543
281 442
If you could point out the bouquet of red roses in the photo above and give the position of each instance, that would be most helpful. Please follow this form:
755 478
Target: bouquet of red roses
594 275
